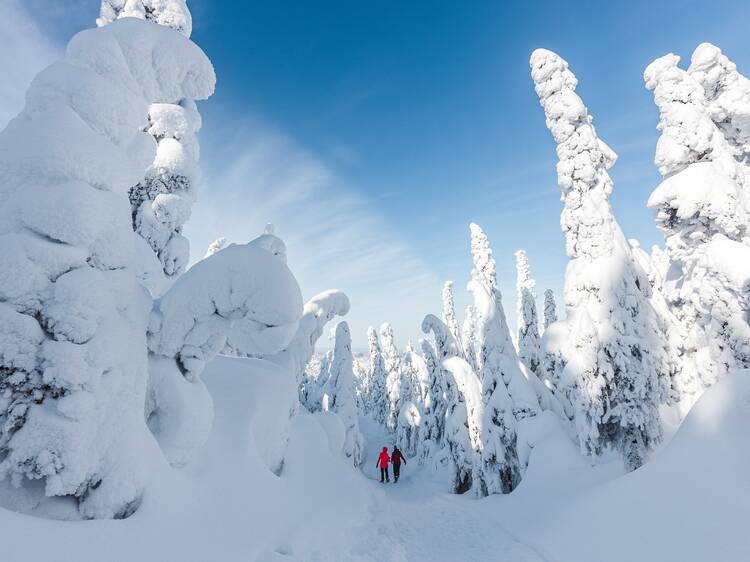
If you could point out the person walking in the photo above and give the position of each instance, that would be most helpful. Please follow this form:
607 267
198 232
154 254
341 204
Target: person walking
396 459
382 463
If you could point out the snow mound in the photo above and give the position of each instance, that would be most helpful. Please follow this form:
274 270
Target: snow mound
227 504
690 503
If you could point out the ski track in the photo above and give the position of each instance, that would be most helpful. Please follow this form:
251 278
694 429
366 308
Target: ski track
416 520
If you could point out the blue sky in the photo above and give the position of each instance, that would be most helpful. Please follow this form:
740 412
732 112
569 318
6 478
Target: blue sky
373 133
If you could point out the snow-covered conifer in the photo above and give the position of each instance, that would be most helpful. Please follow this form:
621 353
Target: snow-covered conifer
469 337
460 410
550 309
449 313
620 359
392 365
529 350
377 376
340 391
463 424
701 210
410 412
434 404
73 362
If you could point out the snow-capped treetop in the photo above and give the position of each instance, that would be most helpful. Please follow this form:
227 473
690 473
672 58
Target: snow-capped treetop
728 97
215 246
583 158
169 13
550 310
484 265
688 135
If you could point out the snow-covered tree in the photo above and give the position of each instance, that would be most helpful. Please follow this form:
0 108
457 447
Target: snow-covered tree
461 401
409 426
701 210
392 365
463 424
161 201
340 393
215 246
550 309
529 350
377 378
449 313
469 337
619 366
315 370
73 359
434 403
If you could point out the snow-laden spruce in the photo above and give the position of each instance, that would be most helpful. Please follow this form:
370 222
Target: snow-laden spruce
161 201
73 345
411 408
449 314
507 394
618 360
392 365
550 308
469 337
339 394
529 350
377 392
701 208
434 404
462 400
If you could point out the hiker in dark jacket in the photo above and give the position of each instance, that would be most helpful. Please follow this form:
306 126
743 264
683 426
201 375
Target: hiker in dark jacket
396 459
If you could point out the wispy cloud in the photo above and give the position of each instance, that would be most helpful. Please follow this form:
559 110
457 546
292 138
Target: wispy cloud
334 237
24 51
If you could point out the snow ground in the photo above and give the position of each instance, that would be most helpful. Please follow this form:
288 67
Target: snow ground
690 503
419 521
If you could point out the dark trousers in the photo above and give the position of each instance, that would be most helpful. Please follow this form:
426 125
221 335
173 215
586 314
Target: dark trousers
396 471
384 475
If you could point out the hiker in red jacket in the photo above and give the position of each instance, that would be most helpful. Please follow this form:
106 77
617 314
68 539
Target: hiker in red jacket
382 463
396 459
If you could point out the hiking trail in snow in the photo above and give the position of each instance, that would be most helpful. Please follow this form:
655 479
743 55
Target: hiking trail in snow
417 519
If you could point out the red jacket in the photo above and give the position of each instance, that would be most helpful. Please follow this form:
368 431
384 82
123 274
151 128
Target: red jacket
383 458
397 457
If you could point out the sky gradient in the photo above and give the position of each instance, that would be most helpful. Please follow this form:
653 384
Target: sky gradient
372 134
